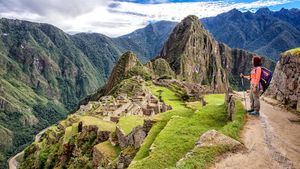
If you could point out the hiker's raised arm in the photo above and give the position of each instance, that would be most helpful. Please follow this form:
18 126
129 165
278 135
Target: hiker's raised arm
245 76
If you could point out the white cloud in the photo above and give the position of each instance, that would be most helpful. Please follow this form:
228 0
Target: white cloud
115 18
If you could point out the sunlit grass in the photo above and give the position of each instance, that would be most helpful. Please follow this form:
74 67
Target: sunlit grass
108 150
177 131
103 125
127 123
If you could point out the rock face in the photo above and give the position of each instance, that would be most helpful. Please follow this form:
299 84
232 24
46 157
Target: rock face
215 138
285 85
127 66
195 56
159 68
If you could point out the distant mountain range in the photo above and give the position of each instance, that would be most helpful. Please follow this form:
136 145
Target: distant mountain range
45 72
265 32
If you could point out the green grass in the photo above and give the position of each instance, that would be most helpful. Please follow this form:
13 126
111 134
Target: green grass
194 105
103 125
294 52
179 109
178 129
127 123
202 157
70 131
108 150
205 156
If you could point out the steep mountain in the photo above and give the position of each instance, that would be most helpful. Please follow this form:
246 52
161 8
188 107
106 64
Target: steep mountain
195 56
265 32
127 66
44 73
285 86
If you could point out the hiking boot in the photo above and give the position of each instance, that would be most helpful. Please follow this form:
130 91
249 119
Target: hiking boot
251 110
254 113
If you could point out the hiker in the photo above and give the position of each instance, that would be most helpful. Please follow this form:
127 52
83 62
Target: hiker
254 78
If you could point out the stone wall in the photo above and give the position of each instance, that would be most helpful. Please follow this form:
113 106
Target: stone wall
285 85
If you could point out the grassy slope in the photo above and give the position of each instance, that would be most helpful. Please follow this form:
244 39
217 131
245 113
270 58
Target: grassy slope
177 130
127 123
294 52
108 150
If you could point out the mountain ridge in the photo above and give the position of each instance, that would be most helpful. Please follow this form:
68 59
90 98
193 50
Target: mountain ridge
259 32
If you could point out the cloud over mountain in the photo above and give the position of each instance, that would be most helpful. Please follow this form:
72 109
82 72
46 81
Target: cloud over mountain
115 18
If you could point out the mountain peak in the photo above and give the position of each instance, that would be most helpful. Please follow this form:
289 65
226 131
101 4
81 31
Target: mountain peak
234 11
125 63
191 17
191 20
190 46
263 11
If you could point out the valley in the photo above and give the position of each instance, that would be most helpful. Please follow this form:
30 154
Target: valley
148 99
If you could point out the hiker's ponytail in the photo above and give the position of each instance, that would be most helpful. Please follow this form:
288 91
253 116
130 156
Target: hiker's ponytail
256 61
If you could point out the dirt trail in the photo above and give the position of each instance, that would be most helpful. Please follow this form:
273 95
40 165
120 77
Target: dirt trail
272 141
13 162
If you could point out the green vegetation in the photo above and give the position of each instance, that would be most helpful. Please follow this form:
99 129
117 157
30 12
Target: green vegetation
177 130
203 157
160 68
294 52
127 123
108 150
103 125
70 132
129 86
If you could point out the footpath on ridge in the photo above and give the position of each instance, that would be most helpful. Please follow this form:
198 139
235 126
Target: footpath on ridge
271 140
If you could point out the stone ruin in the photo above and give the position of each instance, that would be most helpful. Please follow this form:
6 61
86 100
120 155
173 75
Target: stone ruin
194 91
142 103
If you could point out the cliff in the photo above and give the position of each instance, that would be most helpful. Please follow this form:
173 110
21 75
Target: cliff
285 85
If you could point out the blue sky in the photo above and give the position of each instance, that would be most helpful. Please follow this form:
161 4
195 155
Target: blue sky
292 4
118 17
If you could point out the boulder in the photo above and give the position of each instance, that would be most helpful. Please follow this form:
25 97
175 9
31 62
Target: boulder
215 138
285 86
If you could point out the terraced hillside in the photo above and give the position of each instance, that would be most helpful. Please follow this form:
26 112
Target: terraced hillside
92 138
140 123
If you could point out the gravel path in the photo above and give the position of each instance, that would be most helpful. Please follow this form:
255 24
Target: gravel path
272 141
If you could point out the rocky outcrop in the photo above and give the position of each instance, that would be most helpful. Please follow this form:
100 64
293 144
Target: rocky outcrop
215 138
211 138
237 61
285 84
126 62
159 68
193 55
127 66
